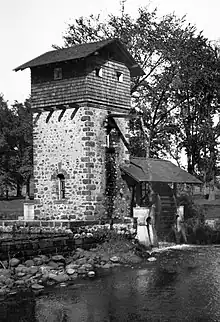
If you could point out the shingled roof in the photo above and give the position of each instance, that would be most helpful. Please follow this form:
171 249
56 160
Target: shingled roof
82 51
156 170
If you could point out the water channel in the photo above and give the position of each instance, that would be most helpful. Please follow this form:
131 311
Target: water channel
183 285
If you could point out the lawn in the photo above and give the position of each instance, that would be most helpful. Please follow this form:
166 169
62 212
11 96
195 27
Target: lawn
11 209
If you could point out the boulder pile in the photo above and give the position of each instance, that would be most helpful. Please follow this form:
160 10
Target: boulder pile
41 271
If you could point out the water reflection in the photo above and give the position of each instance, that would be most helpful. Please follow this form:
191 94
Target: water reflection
181 286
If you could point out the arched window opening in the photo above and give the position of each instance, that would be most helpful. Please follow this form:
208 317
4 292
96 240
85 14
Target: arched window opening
61 186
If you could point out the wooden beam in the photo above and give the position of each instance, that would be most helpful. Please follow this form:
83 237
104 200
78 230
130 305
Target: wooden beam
37 118
74 113
122 115
61 114
49 116
121 135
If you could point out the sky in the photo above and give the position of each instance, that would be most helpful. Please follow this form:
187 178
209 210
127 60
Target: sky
28 28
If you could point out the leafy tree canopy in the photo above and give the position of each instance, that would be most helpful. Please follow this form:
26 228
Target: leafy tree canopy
179 93
16 160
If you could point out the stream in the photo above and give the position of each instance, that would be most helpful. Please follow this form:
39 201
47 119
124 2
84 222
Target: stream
182 285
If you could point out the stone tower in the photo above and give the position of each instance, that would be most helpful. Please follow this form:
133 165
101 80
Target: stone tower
79 96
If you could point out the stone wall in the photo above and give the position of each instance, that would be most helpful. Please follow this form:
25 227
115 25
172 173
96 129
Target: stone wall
75 148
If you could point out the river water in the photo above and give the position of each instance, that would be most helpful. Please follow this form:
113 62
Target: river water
182 285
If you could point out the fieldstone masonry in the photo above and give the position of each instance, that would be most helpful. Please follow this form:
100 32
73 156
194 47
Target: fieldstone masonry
76 149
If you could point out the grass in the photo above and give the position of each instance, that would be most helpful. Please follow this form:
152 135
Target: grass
11 209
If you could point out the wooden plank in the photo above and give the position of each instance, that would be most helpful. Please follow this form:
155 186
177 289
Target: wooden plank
49 116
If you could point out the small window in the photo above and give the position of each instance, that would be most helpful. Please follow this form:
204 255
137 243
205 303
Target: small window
61 187
119 76
98 71
57 73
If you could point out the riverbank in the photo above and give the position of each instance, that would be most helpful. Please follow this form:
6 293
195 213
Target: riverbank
37 273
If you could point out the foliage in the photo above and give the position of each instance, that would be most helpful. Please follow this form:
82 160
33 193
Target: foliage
178 95
15 145
192 212
111 177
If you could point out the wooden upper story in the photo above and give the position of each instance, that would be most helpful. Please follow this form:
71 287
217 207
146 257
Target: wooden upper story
98 72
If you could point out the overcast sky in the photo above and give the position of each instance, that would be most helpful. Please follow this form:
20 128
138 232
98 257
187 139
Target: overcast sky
28 28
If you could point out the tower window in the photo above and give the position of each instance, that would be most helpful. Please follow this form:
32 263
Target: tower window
61 186
57 73
98 71
119 76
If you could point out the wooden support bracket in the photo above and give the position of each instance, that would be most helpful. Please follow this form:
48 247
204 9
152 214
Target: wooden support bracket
122 115
61 114
37 118
121 135
49 115
74 113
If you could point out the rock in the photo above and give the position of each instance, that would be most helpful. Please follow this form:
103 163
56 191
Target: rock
87 266
131 258
20 268
9 282
38 261
5 272
68 260
53 265
151 259
74 276
60 278
115 259
3 291
58 258
14 262
52 276
81 270
75 256
29 263
98 266
45 268
3 279
73 266
27 277
70 271
44 258
90 261
38 275
13 292
33 270
81 261
21 274
106 266
5 263
79 250
20 283
37 287
105 258
45 277
91 274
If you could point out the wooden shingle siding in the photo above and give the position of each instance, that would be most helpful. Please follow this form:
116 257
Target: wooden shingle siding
80 83
58 92
107 88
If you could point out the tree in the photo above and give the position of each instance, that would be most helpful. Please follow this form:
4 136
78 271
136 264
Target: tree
24 144
178 95
7 146
16 160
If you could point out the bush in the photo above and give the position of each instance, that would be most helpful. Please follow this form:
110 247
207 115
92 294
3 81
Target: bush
196 230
